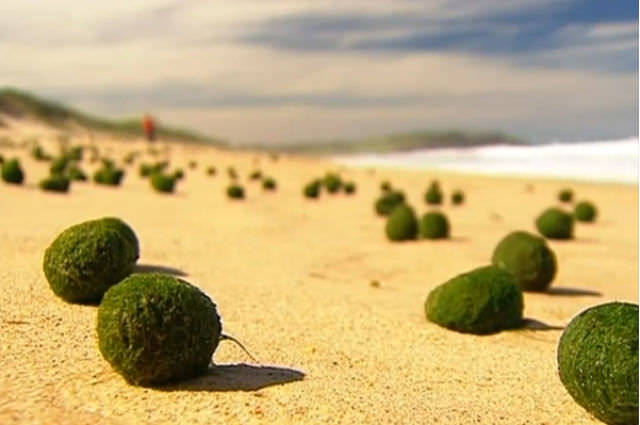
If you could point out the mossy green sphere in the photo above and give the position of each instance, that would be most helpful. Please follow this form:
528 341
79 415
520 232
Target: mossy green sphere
598 362
565 195
385 186
433 195
332 182
76 174
457 197
109 176
528 258
59 165
554 223
312 189
585 211
12 171
211 171
349 188
235 191
388 201
55 183
163 183
86 259
434 225
402 224
154 328
126 232
482 301
269 184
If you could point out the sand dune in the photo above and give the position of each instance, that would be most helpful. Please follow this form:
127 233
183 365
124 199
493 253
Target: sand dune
291 278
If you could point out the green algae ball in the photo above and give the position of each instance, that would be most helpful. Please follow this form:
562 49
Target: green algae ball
565 195
255 175
211 171
349 188
598 362
332 182
126 232
59 165
108 175
88 258
76 174
312 189
554 223
457 197
434 225
163 183
482 301
55 183
528 258
269 184
585 211
402 224
235 191
12 171
385 186
388 201
433 195
154 328
178 174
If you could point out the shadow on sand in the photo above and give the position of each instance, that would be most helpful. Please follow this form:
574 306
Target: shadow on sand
537 325
238 377
572 292
153 268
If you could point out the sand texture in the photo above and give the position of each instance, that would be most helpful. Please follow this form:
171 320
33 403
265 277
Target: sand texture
291 278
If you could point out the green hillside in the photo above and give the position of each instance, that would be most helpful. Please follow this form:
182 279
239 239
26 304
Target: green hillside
18 103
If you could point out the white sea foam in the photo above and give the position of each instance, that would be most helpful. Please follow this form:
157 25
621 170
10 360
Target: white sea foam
606 161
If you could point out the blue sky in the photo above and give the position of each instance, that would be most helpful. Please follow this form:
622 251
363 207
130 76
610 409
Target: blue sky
275 71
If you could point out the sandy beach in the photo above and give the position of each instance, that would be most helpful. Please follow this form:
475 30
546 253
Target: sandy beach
291 279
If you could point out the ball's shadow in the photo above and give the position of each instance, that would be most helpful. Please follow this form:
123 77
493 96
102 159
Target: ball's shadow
239 377
572 292
537 325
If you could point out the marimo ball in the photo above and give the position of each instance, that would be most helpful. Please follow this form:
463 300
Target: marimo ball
126 232
332 182
88 258
433 195
585 211
402 224
388 201
434 225
554 223
598 362
12 172
235 191
565 195
349 188
269 183
457 197
163 183
155 328
312 189
482 301
55 183
528 258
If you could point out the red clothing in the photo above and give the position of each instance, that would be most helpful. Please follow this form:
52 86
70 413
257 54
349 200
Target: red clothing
149 127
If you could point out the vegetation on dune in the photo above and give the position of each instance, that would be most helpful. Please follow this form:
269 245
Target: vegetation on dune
598 362
482 301
154 329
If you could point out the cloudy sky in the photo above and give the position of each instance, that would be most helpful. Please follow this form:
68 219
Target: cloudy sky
287 70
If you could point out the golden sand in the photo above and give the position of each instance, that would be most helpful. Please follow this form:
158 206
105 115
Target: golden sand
291 278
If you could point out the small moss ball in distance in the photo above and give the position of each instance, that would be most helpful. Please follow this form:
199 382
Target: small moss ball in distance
232 173
154 329
211 171
402 224
59 165
528 258
193 165
482 301
86 259
434 225
76 174
163 183
565 195
235 191
554 223
255 175
349 188
109 176
178 174
585 211
433 195
269 183
598 361
312 189
457 197
12 171
385 186
55 183
388 201
332 182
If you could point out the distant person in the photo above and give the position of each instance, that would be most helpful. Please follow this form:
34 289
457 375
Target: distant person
149 126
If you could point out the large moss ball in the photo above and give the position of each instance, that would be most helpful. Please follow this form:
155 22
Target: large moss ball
565 195
126 232
163 183
482 301
434 225
55 183
433 195
598 362
88 258
528 258
388 201
585 211
402 224
554 223
12 171
155 328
